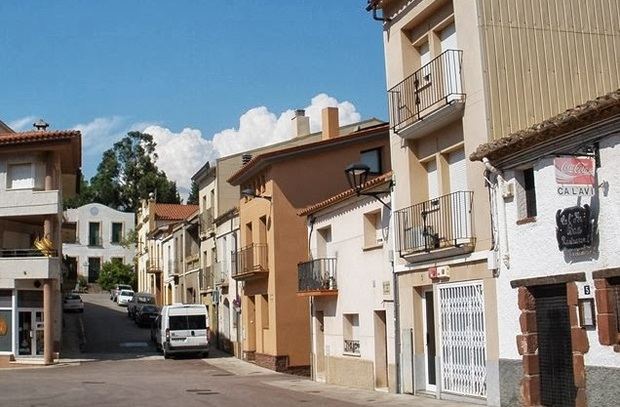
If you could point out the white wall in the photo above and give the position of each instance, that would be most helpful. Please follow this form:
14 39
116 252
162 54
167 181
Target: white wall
534 250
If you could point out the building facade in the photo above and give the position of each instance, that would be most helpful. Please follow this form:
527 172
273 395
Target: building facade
459 74
273 238
37 169
556 211
348 279
94 234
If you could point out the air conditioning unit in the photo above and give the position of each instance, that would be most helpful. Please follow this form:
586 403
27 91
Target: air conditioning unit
443 272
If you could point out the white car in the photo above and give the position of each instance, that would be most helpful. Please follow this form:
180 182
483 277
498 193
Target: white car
73 302
124 297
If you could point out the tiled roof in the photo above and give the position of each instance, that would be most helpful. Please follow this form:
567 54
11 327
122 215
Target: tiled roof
37 136
594 110
369 185
174 211
256 162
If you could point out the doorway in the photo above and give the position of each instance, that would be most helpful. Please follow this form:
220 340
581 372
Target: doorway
430 354
30 332
381 366
94 266
319 329
555 356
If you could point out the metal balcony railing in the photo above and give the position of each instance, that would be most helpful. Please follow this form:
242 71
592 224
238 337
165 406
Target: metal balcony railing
250 259
431 87
317 275
25 253
206 279
446 221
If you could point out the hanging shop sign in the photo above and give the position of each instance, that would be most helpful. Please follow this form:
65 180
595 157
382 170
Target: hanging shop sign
574 175
574 227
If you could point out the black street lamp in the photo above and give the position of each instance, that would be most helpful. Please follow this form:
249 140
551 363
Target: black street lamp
357 175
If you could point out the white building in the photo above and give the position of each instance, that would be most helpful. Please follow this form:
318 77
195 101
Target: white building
92 235
349 283
557 231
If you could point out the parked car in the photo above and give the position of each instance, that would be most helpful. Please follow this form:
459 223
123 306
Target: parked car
124 297
146 315
117 289
73 302
139 300
182 328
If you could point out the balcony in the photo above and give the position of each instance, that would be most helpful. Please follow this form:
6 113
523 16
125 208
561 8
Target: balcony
153 267
29 264
220 274
317 278
250 262
430 98
439 227
206 279
29 202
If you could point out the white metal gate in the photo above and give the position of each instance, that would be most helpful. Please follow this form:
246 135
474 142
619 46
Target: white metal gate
462 339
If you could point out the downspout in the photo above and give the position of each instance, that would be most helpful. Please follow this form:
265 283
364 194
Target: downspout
311 220
500 211
397 344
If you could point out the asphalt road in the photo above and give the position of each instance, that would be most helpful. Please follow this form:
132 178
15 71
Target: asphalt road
112 373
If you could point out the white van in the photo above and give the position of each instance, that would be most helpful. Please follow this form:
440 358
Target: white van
182 328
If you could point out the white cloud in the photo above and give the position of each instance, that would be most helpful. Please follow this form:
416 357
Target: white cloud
259 127
23 124
181 154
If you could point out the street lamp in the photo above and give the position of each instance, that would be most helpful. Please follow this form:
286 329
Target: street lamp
249 193
357 175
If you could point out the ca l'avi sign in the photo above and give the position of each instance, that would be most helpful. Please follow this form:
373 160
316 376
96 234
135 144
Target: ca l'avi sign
574 175
574 227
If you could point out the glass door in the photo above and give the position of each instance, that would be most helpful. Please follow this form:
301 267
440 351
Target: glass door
30 332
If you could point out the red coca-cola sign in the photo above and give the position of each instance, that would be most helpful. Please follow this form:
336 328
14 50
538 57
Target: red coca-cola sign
574 170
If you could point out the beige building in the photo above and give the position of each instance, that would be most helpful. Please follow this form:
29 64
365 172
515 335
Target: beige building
37 168
459 74
273 238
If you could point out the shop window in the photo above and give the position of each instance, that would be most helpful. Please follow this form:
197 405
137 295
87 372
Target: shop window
6 329
20 176
350 333
117 232
373 232
372 158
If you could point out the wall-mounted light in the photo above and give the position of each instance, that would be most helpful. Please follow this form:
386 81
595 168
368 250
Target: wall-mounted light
249 193
587 316
357 174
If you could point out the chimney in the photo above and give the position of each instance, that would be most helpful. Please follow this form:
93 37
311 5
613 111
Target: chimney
329 117
301 124
40 125
245 158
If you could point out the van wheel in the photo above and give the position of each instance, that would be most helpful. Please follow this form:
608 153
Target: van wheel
166 355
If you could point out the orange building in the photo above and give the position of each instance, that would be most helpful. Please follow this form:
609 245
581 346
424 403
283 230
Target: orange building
275 186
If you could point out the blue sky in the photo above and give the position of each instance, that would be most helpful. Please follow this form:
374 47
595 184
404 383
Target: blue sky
186 69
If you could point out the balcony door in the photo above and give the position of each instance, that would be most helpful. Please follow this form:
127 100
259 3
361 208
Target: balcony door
94 234
462 228
451 64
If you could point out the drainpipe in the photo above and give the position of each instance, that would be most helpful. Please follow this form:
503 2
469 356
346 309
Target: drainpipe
397 344
311 220
500 212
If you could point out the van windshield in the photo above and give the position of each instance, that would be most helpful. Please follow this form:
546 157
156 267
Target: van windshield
187 322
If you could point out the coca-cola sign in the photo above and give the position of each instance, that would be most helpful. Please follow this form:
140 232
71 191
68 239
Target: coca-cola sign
574 170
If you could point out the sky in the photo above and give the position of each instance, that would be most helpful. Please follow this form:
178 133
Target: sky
205 78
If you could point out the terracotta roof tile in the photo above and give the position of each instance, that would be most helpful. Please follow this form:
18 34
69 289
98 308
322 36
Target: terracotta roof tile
37 136
174 211
381 179
598 109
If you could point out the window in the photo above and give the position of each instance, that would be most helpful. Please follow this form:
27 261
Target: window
530 192
94 236
69 232
373 232
323 237
372 158
20 176
117 232
119 260
350 333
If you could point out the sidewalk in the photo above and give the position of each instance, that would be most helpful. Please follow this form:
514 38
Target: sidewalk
352 395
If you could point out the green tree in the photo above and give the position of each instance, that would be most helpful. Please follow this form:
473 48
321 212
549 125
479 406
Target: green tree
115 272
83 197
192 199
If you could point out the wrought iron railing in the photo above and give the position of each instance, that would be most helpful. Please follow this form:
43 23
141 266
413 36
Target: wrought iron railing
252 258
317 275
446 221
431 87
26 253
352 346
